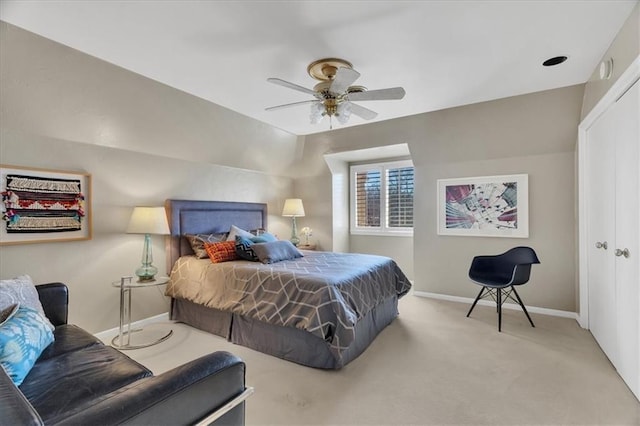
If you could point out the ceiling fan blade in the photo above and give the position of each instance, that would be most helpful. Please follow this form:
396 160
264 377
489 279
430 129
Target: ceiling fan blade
378 95
343 79
293 86
310 101
363 112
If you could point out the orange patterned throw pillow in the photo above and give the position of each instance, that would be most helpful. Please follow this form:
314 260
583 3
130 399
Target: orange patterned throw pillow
221 252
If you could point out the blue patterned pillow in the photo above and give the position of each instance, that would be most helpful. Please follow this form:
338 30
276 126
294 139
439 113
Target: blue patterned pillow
244 250
244 243
23 337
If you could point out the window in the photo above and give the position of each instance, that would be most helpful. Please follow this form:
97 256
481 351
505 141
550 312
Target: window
382 198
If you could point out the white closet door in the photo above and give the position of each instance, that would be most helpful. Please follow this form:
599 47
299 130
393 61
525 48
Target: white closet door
627 235
601 230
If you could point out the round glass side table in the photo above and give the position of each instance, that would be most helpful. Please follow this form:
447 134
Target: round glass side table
126 338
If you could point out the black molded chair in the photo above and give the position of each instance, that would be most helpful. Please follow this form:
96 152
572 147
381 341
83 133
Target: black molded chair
499 274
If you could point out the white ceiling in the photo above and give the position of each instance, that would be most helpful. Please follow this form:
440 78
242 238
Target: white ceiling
444 53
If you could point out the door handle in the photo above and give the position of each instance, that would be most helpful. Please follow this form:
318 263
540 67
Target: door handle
624 252
601 245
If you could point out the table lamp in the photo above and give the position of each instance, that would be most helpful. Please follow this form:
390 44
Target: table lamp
293 208
147 221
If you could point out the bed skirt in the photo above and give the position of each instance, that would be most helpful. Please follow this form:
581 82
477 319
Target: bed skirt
287 343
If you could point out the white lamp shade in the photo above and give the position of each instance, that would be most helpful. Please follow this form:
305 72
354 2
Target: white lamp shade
293 208
148 220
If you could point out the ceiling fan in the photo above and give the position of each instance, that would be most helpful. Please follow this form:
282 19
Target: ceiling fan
334 95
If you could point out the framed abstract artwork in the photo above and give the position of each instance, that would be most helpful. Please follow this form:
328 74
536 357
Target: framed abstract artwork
41 205
489 206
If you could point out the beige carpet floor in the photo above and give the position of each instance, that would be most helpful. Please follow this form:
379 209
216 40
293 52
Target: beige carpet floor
432 366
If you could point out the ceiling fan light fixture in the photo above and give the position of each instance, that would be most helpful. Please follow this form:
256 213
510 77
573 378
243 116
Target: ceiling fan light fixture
330 107
316 112
335 92
344 112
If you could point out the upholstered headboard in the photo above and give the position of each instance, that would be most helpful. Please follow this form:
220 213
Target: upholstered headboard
207 217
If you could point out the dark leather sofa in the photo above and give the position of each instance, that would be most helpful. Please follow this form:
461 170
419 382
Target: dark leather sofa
78 380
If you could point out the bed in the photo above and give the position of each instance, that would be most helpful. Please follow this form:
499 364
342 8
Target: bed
321 310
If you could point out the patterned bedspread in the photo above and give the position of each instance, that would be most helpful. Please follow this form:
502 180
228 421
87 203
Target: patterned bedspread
324 293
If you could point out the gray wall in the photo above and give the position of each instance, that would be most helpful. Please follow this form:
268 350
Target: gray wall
533 134
142 142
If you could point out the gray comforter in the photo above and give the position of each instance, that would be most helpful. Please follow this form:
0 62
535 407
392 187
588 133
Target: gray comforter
323 293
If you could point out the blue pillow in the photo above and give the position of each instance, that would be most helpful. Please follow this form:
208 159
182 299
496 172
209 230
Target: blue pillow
23 337
265 237
276 251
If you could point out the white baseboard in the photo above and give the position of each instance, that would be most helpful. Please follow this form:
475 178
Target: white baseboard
469 301
106 334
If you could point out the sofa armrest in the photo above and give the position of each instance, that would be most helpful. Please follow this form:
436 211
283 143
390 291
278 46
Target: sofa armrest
184 395
55 302
15 408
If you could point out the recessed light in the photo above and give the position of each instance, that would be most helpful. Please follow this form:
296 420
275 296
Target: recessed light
554 61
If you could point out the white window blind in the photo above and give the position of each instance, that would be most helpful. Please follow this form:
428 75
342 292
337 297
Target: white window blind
400 197
382 198
368 187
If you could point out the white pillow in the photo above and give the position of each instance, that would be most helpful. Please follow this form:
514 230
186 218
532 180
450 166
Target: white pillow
239 232
22 291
